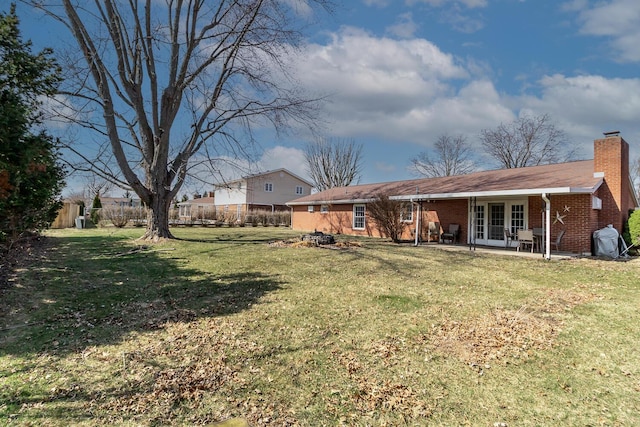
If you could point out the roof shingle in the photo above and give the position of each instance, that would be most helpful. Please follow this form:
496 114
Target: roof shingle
558 178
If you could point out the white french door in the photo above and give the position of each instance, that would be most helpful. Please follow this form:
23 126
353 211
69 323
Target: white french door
493 216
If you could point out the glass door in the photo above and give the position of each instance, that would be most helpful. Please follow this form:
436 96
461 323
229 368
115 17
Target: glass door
496 221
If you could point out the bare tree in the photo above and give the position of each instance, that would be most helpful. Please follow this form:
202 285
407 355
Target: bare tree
96 186
159 82
451 155
527 141
388 216
333 162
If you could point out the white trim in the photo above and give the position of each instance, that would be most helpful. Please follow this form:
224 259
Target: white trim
508 203
364 217
441 196
410 219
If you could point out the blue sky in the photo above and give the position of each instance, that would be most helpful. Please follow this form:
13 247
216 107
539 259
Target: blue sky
401 73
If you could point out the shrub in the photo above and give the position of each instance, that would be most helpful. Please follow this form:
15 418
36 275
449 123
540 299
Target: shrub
387 214
95 209
118 215
632 229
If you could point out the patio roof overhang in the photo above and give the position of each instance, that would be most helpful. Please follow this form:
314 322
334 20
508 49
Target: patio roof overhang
457 195
499 193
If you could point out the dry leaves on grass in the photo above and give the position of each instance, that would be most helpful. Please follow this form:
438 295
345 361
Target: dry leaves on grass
190 366
370 394
506 335
501 335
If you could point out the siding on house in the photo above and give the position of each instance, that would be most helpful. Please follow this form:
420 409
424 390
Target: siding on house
269 190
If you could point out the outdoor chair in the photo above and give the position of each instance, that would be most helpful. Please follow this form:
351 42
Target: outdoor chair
556 242
508 237
434 231
452 235
525 238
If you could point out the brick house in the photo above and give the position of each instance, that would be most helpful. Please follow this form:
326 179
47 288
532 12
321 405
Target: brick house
578 197
200 207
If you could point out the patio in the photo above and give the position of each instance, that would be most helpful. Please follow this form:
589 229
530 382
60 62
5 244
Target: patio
497 251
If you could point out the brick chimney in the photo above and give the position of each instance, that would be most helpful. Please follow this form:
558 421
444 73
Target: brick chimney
611 159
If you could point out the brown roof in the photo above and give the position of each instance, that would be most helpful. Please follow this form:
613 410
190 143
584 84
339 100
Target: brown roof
561 178
199 201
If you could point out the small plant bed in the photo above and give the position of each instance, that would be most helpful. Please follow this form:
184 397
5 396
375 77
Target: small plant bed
315 240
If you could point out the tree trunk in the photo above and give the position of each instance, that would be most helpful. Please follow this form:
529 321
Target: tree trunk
158 219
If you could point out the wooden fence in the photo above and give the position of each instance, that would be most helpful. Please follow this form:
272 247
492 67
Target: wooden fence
66 216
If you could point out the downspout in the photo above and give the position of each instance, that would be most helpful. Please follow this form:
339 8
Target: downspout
547 226
418 212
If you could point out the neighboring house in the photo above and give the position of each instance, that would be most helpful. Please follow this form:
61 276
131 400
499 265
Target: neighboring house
118 201
197 208
268 191
578 197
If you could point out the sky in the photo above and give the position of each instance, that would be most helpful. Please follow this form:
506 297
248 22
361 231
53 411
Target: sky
400 73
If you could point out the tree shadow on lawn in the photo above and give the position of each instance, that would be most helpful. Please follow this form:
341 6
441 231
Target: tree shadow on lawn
94 291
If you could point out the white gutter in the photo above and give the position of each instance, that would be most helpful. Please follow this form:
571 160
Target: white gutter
500 193
417 221
547 226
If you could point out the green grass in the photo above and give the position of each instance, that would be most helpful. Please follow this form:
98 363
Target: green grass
222 324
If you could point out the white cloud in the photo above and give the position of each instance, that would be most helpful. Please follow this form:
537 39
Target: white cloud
57 111
405 27
300 7
471 4
378 3
397 91
462 22
586 106
289 158
618 20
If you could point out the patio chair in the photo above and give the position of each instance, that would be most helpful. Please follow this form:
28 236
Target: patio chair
434 231
452 235
525 238
556 242
508 237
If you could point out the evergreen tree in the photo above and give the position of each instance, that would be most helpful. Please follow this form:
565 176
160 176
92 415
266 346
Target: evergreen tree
95 209
31 177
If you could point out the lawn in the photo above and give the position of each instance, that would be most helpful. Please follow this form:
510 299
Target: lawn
97 330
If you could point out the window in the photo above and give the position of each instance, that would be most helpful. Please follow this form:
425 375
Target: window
480 222
324 208
358 217
268 187
496 221
406 212
517 218
310 208
299 189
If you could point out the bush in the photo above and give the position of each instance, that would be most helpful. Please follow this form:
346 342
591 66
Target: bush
118 215
632 229
95 209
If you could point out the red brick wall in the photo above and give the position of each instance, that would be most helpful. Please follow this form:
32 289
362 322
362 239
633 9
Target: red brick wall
577 218
339 219
446 212
611 156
